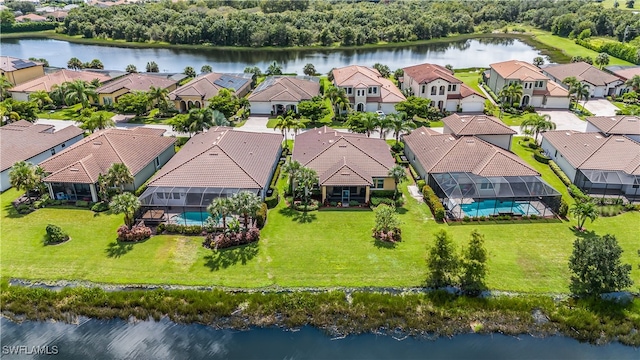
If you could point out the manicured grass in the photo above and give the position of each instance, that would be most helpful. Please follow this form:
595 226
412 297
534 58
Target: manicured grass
470 78
622 5
70 113
521 148
568 46
271 123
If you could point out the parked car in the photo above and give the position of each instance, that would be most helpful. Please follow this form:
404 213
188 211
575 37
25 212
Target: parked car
380 113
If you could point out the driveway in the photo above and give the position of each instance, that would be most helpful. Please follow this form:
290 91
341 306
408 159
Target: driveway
601 107
60 124
565 120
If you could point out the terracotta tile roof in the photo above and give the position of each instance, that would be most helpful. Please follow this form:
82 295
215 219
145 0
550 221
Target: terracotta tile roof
286 88
576 147
342 174
617 125
30 17
135 82
582 71
362 76
222 158
476 125
625 72
593 151
95 154
440 153
8 63
465 91
328 151
207 86
23 140
520 70
426 73
57 78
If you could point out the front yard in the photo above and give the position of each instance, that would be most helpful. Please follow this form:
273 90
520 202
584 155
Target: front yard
321 248
69 113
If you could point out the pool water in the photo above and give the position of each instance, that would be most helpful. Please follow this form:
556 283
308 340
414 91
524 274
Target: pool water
495 207
191 218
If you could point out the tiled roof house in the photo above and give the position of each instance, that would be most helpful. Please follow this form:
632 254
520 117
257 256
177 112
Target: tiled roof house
73 173
627 125
440 85
600 83
45 83
109 93
349 166
367 89
33 143
198 91
279 94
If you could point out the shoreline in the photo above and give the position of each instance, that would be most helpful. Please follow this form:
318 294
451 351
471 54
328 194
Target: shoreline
555 54
337 312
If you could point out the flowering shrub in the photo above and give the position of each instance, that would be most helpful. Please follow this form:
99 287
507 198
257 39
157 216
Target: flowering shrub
135 234
389 236
232 238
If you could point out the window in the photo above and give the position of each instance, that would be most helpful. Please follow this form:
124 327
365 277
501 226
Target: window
441 90
556 154
349 90
636 186
449 87
433 90
370 90
107 100
539 84
157 162
424 88
160 195
486 186
452 87
63 145
528 85
53 151
378 183
375 90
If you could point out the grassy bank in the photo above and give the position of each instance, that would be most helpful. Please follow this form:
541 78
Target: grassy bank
337 312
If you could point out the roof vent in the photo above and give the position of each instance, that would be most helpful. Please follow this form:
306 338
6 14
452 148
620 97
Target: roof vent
598 137
619 140
586 144
470 141
250 152
421 132
345 174
74 169
213 154
342 146
568 133
633 120
97 143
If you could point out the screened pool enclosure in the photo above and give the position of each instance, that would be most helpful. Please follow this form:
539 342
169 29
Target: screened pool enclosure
467 194
609 183
180 204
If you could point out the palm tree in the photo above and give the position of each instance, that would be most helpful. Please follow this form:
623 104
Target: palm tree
79 91
363 123
274 69
247 204
119 175
515 91
41 98
158 96
74 63
306 178
398 174
383 124
338 98
571 82
602 60
291 168
5 85
206 69
58 93
537 123
309 69
584 210
219 119
199 119
131 69
126 204
97 121
219 208
190 71
399 124
634 82
582 92
96 64
23 176
285 124
152 67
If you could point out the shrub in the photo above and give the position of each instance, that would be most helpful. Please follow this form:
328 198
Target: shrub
160 228
533 145
466 219
399 161
577 193
541 157
556 169
100 207
563 209
55 234
354 203
140 190
135 234
414 173
261 216
230 239
82 203
375 201
533 217
525 217
183 229
24 209
387 224
333 203
312 206
421 184
382 193
482 218
433 202
397 148
394 235
273 200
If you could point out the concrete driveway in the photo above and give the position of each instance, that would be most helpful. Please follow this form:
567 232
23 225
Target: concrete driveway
565 120
601 107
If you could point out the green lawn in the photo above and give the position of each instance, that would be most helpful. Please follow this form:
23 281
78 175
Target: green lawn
568 46
622 5
470 78
70 113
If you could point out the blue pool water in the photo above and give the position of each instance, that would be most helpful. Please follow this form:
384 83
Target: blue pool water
191 218
494 207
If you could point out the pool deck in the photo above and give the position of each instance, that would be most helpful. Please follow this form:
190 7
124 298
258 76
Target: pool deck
540 208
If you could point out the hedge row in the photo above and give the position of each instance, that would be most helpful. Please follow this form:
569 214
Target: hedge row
615 49
434 203
27 26
414 173
541 157
273 200
556 169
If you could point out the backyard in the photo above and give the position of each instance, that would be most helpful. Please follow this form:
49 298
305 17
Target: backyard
321 248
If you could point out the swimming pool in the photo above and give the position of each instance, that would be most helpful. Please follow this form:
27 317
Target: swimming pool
195 218
495 207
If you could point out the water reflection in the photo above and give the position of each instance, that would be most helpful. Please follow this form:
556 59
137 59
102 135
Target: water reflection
116 339
459 54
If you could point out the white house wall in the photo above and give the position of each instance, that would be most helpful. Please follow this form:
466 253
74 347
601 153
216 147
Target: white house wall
473 103
20 96
503 141
557 157
557 102
388 108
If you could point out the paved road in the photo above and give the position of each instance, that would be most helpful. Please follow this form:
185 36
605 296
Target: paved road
601 107
61 124
565 120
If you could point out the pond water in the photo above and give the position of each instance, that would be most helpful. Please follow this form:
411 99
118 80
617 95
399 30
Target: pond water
460 54
116 339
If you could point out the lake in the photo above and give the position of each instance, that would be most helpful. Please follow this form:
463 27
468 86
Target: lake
460 54
117 339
